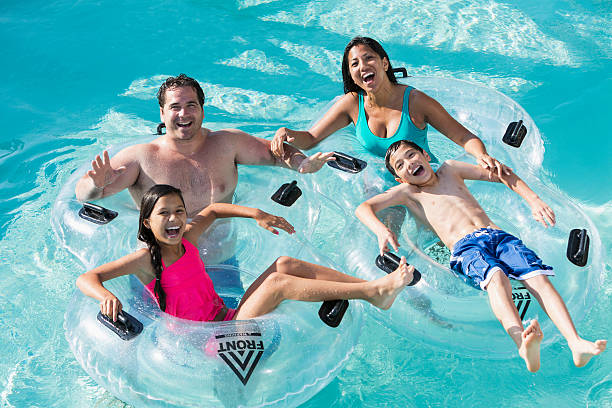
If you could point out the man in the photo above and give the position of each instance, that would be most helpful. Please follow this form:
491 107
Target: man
199 161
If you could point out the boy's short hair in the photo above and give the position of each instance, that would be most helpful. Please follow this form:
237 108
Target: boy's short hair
394 147
178 82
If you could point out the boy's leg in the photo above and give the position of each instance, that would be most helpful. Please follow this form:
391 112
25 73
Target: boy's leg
272 287
527 341
554 306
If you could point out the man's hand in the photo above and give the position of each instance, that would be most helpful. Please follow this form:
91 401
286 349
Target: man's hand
542 212
102 174
385 239
314 163
269 221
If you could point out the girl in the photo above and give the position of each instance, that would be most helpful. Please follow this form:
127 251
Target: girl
171 267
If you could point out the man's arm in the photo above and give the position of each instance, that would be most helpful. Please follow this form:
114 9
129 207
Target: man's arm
109 176
539 209
256 151
366 212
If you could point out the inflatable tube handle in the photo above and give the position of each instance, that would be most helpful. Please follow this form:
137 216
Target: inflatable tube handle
287 194
126 327
389 262
400 70
97 214
159 129
347 163
331 312
578 247
515 133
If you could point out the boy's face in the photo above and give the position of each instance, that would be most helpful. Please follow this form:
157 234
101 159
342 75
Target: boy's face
411 166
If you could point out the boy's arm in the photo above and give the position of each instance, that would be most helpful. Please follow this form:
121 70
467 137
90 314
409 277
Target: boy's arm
539 209
366 212
208 215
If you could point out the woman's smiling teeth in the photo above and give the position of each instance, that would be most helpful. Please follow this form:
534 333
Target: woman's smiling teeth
368 78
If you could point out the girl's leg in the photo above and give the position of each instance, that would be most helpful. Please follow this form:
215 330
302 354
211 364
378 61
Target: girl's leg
554 306
527 341
302 269
274 286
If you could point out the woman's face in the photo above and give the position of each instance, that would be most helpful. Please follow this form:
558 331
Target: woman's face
168 220
367 69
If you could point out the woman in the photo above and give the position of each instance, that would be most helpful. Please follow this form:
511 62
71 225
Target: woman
383 111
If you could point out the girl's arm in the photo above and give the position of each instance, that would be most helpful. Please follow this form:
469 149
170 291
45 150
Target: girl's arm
337 117
208 215
439 118
539 209
90 283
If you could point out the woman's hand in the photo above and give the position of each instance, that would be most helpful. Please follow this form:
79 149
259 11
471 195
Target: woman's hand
491 164
269 221
280 137
111 306
385 239
542 212
314 163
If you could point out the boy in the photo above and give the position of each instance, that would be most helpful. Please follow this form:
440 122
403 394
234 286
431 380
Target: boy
479 248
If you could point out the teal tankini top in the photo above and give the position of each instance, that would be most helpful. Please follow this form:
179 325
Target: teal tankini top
406 130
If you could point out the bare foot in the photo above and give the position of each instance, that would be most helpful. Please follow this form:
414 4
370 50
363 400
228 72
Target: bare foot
530 348
583 350
388 287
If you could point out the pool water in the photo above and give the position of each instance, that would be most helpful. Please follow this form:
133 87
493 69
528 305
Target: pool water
80 76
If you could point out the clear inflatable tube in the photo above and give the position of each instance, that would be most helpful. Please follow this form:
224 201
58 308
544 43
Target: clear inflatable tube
281 359
442 309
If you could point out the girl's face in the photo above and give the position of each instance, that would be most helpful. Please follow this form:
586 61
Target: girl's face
168 220
367 69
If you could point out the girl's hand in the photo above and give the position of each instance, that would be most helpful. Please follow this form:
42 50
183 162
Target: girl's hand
384 239
269 221
491 164
101 173
280 137
542 212
111 306
314 163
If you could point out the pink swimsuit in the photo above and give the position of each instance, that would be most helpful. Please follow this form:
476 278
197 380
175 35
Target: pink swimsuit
190 293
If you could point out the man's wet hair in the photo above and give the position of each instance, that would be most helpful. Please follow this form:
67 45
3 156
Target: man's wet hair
394 147
179 82
349 84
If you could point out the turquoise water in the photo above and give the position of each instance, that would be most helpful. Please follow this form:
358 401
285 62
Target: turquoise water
79 76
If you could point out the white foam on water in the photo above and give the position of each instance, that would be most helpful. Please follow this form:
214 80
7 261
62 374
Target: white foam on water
320 60
243 103
258 61
476 25
242 4
596 29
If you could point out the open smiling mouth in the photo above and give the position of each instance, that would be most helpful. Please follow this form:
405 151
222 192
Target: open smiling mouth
419 170
368 78
172 232
183 124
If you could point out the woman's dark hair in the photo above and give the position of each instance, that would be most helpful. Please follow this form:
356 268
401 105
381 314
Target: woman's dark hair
349 84
179 82
146 235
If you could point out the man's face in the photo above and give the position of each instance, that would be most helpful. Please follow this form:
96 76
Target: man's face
182 113
411 165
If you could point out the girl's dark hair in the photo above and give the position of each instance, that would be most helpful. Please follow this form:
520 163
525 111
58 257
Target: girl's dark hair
349 84
146 235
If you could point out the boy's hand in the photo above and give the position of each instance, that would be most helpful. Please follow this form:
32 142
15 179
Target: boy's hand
314 163
542 212
384 239
269 221
111 306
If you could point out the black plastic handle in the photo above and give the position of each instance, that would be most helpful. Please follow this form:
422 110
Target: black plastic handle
389 262
400 70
